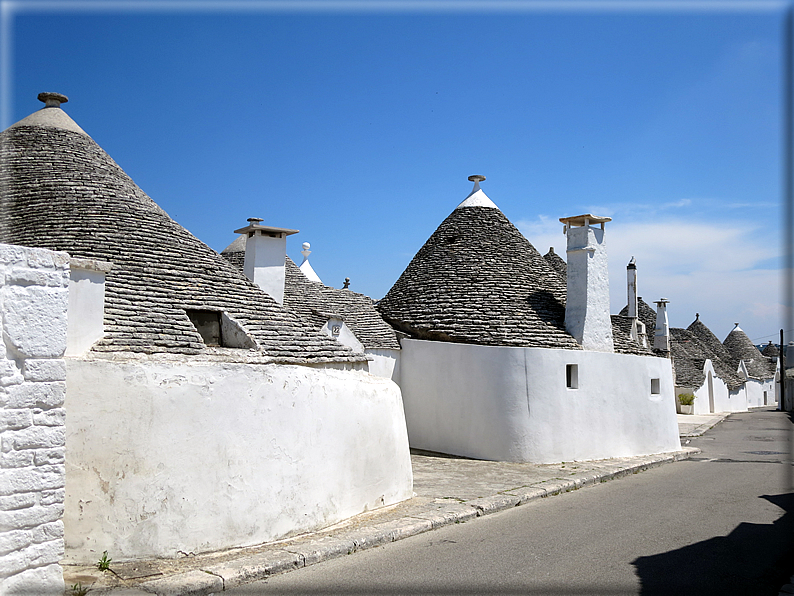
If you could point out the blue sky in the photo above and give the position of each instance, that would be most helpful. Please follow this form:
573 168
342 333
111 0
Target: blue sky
358 123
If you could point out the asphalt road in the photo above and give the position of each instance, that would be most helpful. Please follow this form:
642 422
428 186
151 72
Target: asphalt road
721 523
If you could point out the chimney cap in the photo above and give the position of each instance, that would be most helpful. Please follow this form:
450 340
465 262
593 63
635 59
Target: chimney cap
476 178
661 301
52 100
632 264
579 220
253 225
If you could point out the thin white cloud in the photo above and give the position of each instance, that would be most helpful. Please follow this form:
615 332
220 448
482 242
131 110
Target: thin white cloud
707 267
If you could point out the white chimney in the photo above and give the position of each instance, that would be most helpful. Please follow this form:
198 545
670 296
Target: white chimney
265 253
661 333
637 326
587 306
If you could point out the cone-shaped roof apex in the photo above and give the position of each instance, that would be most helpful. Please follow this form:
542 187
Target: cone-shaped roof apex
477 198
51 115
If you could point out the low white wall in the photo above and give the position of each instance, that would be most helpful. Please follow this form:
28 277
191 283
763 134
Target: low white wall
33 315
170 456
384 363
512 404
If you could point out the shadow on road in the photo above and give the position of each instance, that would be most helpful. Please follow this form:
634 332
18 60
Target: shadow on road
754 559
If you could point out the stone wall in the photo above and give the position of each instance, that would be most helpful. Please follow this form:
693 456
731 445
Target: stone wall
33 314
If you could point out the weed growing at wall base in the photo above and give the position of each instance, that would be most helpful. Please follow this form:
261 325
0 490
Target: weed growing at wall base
104 562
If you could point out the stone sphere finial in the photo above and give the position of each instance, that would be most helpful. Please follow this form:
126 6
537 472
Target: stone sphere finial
306 246
52 100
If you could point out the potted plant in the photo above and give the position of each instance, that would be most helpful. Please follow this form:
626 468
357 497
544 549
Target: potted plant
686 403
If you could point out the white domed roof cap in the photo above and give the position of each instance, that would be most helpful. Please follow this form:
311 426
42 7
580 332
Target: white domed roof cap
477 198
51 115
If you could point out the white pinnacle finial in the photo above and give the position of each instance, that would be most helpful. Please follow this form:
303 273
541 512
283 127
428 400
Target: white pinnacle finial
305 266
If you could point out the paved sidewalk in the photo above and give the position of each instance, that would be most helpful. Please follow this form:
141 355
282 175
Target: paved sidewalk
447 490
694 426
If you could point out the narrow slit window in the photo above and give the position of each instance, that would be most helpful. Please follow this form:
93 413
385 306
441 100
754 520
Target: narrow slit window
572 376
655 387
208 324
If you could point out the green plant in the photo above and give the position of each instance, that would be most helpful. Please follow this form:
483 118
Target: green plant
686 399
104 562
79 590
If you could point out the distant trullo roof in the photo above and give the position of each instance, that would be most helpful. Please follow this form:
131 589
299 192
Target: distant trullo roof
771 350
646 314
313 301
61 191
691 347
741 348
557 263
478 280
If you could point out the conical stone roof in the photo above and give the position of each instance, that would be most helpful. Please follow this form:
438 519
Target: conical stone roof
61 191
646 314
557 263
478 280
740 347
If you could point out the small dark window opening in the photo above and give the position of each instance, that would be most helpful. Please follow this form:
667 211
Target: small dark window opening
208 324
656 387
451 239
572 376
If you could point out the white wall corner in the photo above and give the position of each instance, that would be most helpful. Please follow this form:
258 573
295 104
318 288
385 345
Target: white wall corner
86 312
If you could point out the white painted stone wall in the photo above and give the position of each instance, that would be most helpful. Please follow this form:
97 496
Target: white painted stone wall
86 304
168 456
720 392
385 363
34 286
512 404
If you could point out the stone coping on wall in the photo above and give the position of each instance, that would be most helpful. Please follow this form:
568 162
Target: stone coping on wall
222 355
90 265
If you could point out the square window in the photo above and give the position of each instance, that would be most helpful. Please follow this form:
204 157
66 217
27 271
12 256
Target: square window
572 376
655 387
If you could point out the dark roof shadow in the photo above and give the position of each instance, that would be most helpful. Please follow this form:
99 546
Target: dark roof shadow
754 559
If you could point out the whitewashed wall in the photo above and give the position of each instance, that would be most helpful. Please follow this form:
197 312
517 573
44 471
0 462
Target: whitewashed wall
512 404
385 363
170 456
33 315
755 392
720 391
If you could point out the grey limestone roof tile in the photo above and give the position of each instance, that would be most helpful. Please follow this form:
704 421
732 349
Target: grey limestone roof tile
621 337
646 314
740 347
61 191
478 280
